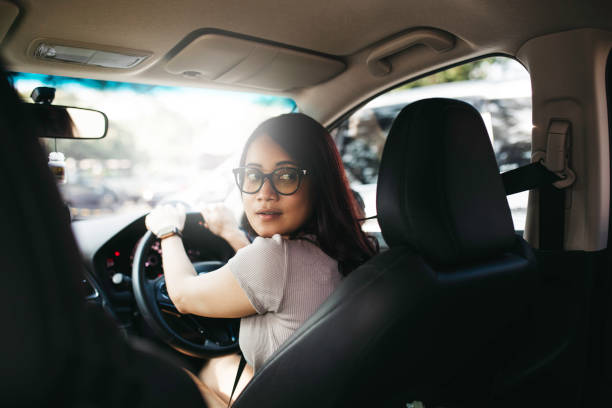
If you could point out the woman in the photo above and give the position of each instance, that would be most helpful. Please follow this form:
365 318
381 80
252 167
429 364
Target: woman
299 206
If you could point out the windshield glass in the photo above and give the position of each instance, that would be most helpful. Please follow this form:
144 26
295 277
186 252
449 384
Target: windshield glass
163 143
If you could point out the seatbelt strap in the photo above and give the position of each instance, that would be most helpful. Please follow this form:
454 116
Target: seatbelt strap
528 177
552 199
550 173
552 217
238 374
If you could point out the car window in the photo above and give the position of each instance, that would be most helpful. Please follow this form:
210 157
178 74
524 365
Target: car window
498 87
163 144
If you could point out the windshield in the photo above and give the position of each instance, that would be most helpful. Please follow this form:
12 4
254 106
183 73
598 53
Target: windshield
163 143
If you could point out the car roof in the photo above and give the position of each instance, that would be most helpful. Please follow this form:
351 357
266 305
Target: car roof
331 40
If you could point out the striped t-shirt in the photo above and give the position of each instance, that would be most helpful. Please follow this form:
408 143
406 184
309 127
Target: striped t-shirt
285 281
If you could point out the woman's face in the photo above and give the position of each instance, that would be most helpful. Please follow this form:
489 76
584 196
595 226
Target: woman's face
268 212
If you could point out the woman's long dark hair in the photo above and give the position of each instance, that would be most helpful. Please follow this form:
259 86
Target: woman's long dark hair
334 219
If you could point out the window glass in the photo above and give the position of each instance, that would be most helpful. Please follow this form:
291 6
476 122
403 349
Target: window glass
499 88
164 144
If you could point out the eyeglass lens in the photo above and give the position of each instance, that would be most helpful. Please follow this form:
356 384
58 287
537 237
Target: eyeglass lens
285 180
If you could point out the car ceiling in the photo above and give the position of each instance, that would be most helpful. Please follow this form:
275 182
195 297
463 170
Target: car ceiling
345 30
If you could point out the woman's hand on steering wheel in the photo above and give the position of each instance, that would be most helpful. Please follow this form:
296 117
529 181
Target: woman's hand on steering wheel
219 219
221 222
165 218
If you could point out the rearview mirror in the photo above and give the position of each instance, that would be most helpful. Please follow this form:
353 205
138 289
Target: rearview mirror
67 122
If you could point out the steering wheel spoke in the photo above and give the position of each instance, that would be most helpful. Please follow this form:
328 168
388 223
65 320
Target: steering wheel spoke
168 307
162 299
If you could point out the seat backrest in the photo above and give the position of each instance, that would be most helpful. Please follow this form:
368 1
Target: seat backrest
55 350
433 318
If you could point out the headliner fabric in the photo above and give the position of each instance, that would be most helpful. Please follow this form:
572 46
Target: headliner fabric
439 188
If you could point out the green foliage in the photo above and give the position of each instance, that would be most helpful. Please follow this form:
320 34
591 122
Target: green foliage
464 72
459 73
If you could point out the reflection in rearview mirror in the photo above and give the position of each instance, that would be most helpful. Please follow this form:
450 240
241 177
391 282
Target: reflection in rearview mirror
65 122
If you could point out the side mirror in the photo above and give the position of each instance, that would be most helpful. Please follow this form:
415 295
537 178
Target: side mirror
67 122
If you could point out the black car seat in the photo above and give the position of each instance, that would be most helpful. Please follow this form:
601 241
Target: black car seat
435 317
55 350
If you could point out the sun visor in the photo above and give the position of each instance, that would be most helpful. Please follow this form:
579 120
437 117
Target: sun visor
8 14
229 60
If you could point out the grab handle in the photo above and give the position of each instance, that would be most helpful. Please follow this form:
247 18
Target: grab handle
439 41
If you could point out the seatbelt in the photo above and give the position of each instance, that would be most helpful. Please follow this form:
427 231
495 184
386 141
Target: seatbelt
552 221
238 374
534 175
551 174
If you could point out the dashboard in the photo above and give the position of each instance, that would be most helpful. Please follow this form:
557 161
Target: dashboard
107 247
118 258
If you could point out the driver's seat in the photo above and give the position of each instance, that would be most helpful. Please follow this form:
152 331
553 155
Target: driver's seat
435 317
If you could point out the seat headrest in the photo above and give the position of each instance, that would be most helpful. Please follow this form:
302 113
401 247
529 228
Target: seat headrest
439 189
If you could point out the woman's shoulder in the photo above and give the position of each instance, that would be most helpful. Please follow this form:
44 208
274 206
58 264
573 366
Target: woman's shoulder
277 245
305 245
266 247
308 247
273 243
275 239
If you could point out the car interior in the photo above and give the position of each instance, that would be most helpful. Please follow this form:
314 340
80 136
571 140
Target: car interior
462 307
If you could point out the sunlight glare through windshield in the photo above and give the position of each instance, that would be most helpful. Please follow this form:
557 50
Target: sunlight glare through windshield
163 143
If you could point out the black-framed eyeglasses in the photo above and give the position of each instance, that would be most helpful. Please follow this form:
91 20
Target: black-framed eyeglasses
284 180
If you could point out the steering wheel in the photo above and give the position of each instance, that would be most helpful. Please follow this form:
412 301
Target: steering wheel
192 335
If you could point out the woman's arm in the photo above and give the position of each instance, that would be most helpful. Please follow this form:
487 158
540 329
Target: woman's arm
213 294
